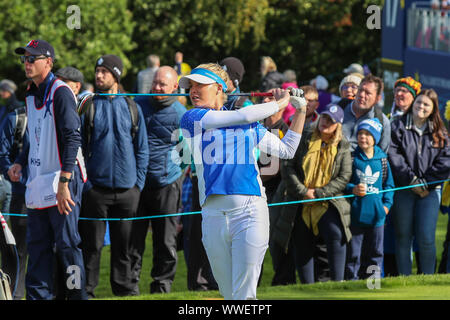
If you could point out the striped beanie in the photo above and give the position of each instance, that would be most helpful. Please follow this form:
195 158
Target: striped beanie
409 83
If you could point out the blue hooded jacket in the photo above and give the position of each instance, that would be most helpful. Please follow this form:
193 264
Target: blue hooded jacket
368 210
113 159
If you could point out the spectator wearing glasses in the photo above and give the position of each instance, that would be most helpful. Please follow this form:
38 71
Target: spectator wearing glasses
56 173
162 189
405 91
348 89
364 107
312 98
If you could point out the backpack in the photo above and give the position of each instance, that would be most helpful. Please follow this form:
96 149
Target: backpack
21 126
85 106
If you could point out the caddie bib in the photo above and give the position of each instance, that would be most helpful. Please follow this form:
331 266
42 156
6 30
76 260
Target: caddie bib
44 162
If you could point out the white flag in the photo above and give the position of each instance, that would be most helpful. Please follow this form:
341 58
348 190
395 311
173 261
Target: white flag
8 235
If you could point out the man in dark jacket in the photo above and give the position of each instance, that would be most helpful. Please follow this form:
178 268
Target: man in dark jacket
12 136
117 164
73 77
56 173
8 94
162 191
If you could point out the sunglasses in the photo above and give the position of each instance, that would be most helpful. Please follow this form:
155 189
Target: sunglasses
31 59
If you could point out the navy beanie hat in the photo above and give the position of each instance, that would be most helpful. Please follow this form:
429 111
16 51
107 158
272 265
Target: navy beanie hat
113 63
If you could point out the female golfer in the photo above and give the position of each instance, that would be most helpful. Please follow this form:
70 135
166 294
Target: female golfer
235 218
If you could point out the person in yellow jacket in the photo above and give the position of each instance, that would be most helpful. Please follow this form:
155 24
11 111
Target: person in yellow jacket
182 69
444 266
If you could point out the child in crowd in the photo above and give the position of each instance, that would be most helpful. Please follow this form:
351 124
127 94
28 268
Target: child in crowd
371 174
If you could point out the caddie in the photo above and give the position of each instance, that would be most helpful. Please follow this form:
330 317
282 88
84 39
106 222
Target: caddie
56 173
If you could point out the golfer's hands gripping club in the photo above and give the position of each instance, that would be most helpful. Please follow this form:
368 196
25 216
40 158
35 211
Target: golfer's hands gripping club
297 99
282 98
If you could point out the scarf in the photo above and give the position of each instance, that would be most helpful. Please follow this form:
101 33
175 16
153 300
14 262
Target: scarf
317 166
161 104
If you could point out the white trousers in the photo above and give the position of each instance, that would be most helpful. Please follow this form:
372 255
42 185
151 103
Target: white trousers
235 236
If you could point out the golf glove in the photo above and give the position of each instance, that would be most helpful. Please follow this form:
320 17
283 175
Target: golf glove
297 99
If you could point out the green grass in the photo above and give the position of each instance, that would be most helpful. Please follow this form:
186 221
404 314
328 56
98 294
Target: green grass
414 287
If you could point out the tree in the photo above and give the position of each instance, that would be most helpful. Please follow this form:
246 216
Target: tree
308 36
204 30
320 37
105 27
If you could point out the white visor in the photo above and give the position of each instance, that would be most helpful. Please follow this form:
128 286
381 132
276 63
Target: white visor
184 81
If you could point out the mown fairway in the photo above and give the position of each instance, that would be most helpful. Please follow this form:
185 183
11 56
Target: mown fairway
414 287
417 287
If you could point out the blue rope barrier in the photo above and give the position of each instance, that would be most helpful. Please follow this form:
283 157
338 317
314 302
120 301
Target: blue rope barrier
270 205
